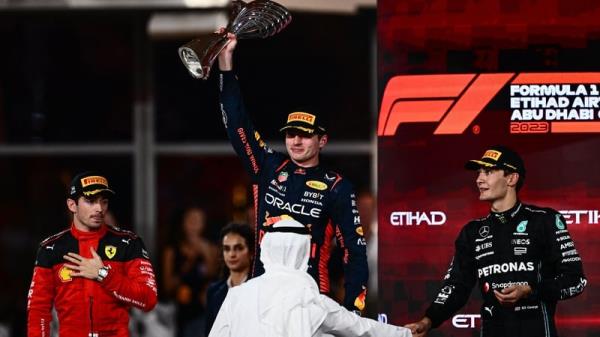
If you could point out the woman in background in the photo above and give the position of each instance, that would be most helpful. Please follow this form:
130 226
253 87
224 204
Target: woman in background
188 267
238 249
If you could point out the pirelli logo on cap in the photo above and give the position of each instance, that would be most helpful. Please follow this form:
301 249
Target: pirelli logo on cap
301 117
93 180
494 155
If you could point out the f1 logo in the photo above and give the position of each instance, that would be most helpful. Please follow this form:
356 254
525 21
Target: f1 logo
455 99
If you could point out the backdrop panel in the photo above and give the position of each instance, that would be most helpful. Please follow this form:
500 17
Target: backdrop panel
456 77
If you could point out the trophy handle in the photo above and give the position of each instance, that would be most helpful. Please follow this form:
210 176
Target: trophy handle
198 55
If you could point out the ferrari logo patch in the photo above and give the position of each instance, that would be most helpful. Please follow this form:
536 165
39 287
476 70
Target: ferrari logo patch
110 251
65 274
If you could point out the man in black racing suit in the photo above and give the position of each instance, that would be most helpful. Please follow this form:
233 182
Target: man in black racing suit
522 256
296 186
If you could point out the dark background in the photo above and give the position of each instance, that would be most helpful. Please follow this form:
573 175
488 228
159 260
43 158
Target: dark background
71 80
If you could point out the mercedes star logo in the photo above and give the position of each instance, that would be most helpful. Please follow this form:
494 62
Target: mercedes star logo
484 231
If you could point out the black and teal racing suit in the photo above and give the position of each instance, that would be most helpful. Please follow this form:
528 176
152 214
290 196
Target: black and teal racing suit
526 245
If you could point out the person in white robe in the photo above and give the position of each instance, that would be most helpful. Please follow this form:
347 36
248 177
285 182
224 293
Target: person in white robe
285 300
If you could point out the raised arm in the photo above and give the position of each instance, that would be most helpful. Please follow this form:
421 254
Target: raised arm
245 140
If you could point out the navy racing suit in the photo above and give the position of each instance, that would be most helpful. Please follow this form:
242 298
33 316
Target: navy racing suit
526 245
320 199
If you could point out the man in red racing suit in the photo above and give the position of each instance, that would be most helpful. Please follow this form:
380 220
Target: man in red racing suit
91 273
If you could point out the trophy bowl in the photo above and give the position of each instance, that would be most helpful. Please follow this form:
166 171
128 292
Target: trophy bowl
257 19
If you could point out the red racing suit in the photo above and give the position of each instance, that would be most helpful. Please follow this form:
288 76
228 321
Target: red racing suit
90 308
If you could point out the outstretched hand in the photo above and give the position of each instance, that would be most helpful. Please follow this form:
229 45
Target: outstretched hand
226 55
420 328
84 267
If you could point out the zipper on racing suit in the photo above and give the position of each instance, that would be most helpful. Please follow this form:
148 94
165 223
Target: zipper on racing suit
92 333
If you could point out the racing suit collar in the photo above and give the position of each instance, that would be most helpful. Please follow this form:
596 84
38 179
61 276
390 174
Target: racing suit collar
293 168
81 235
307 169
508 215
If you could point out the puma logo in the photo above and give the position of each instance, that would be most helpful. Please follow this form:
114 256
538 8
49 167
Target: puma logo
50 247
489 309
126 241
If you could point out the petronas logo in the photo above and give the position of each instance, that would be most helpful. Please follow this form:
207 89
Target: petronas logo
559 223
522 227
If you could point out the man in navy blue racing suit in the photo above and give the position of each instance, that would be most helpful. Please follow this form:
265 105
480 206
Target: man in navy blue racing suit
522 255
298 187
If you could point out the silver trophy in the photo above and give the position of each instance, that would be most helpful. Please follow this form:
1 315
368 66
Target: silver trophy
258 19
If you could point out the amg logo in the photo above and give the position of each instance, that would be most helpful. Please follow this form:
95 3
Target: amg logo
292 208
433 218
565 245
505 268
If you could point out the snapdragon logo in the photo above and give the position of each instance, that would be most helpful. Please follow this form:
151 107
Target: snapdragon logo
408 218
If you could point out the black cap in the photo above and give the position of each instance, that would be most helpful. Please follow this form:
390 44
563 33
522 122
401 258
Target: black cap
88 184
304 121
499 156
